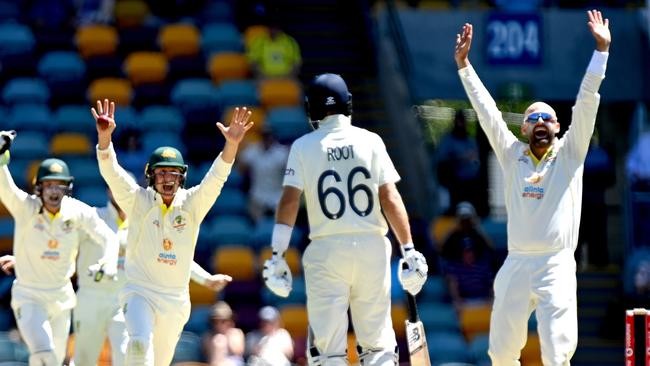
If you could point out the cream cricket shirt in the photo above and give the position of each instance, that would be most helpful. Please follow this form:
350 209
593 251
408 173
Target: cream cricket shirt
340 168
46 246
543 199
161 240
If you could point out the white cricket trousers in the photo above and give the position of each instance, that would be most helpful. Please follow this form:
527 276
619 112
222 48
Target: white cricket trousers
545 283
43 319
154 326
96 316
351 270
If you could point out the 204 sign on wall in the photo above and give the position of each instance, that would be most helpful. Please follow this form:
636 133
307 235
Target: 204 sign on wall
514 39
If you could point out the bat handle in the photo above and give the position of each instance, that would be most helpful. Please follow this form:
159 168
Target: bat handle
412 308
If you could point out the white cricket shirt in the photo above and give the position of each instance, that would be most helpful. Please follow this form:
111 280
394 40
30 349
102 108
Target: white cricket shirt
543 200
340 168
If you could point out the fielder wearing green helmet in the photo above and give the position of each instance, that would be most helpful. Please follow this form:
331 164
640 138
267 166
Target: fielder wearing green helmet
46 183
53 169
165 157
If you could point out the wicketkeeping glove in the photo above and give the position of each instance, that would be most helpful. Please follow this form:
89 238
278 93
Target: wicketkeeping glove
277 275
6 137
412 275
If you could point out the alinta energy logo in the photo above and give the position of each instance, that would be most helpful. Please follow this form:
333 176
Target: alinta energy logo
533 192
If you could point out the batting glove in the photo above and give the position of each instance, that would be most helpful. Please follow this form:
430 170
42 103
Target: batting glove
100 270
6 138
277 275
412 270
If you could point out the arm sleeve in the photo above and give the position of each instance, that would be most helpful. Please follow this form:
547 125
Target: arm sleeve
386 168
203 196
489 116
198 274
12 197
293 172
122 185
583 118
100 233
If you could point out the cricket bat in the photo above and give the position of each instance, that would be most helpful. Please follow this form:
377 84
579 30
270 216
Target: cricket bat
417 342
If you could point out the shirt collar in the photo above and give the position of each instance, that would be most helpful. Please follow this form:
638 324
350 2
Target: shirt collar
334 121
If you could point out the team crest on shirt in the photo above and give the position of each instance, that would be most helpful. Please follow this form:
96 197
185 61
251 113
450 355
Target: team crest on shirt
179 223
67 226
39 225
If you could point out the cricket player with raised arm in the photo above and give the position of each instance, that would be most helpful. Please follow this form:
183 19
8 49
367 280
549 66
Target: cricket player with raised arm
49 226
164 226
543 188
348 179
98 313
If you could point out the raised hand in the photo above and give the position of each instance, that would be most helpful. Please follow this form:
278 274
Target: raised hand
463 45
104 116
238 126
600 30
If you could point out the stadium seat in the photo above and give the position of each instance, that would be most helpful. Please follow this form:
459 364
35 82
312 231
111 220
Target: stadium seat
238 93
153 139
440 316
30 145
257 115
199 321
61 66
138 38
478 348
3 211
15 39
188 348
94 195
197 100
294 319
497 233
531 354
26 90
292 256
145 67
220 37
9 11
6 226
447 347
85 171
230 229
130 13
231 201
474 320
71 143
201 295
96 40
115 89
161 117
30 117
280 92
217 11
434 290
74 118
235 260
125 117
287 123
228 66
179 39
440 228
252 32
399 314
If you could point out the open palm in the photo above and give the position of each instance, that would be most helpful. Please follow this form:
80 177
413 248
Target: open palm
599 28
238 126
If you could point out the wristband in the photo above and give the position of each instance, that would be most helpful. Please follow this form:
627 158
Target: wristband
280 238
406 247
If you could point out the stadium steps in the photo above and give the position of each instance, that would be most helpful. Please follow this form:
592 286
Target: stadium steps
597 290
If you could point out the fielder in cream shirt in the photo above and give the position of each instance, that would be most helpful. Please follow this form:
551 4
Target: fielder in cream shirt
49 226
164 226
543 188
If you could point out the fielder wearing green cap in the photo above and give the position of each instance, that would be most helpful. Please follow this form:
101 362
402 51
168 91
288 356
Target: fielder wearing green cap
49 227
164 225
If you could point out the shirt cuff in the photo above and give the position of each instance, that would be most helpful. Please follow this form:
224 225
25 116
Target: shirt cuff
221 167
106 153
598 63
466 71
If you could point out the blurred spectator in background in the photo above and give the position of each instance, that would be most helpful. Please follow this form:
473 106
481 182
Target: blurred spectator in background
264 163
638 164
224 345
275 54
459 165
270 344
468 260
599 174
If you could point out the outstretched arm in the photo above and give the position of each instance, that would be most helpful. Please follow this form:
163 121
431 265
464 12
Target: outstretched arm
463 45
234 133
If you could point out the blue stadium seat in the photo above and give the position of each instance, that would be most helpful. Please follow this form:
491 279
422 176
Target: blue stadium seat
15 39
18 168
61 66
199 321
30 117
85 172
238 93
218 12
26 90
92 195
220 37
287 123
6 227
9 10
478 349
30 145
161 118
188 348
230 229
155 139
434 290
74 118
439 316
197 98
497 232
125 117
447 347
231 201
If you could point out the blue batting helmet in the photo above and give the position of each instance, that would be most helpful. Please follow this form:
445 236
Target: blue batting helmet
327 94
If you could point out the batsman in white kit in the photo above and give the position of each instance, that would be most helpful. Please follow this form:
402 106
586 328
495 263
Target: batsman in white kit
164 226
98 314
49 226
348 179
543 188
